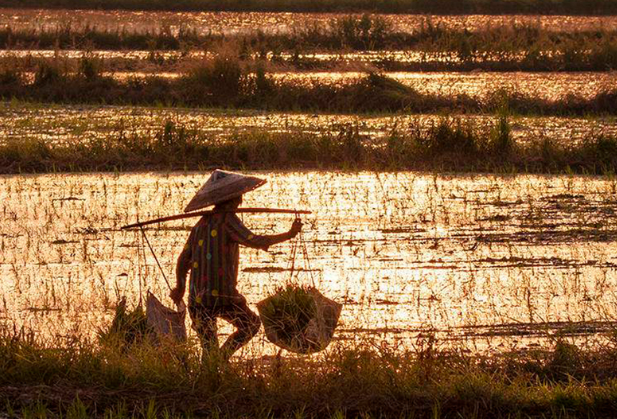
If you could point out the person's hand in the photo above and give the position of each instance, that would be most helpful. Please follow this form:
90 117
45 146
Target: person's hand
296 227
176 295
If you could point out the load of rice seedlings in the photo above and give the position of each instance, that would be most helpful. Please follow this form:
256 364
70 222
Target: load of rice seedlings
127 327
289 311
299 319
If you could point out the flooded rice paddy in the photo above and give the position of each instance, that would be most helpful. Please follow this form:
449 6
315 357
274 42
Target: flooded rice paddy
483 262
550 86
170 58
477 84
487 262
230 22
82 124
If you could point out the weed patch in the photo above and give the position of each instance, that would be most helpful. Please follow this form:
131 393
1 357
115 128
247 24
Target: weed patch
86 381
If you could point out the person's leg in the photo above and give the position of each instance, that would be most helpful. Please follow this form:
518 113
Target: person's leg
204 323
247 325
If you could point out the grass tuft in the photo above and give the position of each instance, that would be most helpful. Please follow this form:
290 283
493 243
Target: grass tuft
127 327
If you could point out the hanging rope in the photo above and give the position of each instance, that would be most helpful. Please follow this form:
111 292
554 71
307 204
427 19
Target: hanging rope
299 241
294 248
307 261
164 320
142 261
155 258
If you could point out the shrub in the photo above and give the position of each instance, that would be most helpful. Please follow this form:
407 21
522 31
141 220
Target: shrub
127 327
222 79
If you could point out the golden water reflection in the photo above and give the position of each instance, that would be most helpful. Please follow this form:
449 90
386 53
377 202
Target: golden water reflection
542 85
231 22
478 84
478 260
82 124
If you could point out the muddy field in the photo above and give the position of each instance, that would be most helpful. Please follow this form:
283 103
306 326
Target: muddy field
487 262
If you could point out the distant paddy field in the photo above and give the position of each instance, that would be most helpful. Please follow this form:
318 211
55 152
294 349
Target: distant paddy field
74 124
238 22
460 173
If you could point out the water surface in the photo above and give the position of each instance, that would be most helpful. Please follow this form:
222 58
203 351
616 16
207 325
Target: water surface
551 86
81 124
232 22
480 261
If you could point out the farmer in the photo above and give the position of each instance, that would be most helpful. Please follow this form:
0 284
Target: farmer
211 253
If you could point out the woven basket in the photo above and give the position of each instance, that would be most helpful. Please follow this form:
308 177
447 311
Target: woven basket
312 337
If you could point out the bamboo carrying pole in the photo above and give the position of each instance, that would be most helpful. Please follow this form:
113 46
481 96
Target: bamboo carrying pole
209 212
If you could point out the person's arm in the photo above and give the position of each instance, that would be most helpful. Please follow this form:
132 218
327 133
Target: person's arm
182 268
239 233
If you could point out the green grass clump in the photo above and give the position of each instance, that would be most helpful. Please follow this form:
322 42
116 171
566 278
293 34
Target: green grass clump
365 33
127 327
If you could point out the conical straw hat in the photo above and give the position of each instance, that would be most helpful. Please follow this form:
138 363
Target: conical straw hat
223 186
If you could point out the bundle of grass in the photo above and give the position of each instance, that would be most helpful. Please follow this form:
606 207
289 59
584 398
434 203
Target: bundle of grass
299 319
127 327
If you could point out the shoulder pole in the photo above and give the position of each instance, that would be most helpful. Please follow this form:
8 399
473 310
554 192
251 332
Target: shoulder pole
210 212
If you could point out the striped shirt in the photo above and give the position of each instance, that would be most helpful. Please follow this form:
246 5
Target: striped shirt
212 248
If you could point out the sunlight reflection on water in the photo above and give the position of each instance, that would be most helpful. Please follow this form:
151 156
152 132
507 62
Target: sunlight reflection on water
81 124
229 22
486 260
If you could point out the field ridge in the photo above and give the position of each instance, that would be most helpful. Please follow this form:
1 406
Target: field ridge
448 145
